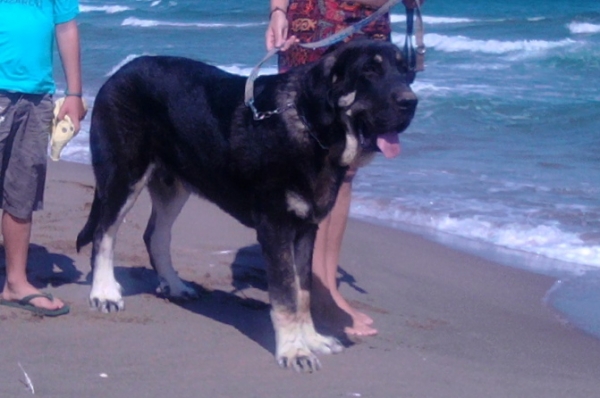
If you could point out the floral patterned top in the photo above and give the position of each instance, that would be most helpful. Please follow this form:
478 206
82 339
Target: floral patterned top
313 20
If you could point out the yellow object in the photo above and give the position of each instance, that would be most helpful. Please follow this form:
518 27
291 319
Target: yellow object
62 131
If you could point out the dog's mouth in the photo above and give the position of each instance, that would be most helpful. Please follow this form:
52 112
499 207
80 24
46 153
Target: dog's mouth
382 136
386 142
379 128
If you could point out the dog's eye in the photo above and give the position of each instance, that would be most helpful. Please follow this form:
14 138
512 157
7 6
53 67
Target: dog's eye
404 70
372 70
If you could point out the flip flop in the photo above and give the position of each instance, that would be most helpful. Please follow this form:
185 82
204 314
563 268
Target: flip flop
25 304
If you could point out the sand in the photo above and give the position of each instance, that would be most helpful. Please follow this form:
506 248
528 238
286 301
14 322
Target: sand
451 324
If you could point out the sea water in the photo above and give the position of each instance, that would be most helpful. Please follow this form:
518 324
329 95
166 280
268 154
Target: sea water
503 156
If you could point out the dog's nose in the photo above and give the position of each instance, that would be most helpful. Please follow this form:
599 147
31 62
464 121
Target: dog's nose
406 100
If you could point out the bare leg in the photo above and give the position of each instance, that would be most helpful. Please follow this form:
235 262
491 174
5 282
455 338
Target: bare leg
326 256
16 233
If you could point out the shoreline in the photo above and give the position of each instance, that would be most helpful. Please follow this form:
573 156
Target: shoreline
574 296
451 324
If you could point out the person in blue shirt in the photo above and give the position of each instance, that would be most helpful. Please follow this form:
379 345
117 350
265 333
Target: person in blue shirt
29 30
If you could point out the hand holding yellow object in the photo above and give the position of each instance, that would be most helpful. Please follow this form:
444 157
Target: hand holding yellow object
62 131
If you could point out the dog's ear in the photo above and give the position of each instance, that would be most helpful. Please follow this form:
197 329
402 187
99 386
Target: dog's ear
318 86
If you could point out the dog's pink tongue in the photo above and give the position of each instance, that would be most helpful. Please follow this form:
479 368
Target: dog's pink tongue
389 144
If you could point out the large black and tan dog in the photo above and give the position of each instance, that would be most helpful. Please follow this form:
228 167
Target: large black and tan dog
180 126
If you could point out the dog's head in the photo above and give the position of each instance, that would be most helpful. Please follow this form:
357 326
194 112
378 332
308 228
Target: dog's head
363 85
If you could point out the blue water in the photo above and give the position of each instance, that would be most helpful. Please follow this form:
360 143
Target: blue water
503 157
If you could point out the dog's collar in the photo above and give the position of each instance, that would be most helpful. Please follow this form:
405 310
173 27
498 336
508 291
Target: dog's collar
266 114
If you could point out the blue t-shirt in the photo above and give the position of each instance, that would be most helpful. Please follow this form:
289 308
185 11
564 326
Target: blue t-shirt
27 42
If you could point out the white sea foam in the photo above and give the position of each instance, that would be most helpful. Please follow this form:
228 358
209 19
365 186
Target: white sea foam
150 23
245 71
544 240
123 62
428 20
462 43
428 88
107 9
583 27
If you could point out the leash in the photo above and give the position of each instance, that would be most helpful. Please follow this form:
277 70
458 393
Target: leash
415 57
352 29
249 90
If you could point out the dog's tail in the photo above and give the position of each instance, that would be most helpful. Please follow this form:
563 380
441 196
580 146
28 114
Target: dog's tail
86 235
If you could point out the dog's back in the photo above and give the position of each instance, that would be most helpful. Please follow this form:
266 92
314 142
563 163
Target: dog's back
162 103
189 119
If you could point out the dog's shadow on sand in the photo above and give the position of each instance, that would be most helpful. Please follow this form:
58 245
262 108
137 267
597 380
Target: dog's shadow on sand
44 268
248 315
251 316
229 306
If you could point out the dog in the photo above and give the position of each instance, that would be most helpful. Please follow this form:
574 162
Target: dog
179 126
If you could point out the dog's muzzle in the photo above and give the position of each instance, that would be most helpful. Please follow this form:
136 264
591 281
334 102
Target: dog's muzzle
404 105
405 101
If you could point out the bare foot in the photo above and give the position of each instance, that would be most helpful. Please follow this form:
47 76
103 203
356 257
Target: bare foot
360 320
361 317
360 329
360 324
331 308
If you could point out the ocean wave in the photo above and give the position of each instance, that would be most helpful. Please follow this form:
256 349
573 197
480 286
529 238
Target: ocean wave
151 23
128 58
245 71
462 43
107 9
548 241
399 18
583 27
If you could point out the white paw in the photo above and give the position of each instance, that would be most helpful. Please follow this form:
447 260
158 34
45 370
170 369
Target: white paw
301 359
297 343
106 297
322 344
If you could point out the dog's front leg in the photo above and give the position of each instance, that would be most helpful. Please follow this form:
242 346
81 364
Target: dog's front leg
303 252
288 251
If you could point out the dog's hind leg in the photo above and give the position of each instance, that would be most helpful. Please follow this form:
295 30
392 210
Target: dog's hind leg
106 293
288 253
168 196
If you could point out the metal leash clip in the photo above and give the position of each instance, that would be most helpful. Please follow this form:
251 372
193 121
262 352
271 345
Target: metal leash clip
266 114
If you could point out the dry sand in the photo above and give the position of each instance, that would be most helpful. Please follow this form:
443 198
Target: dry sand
451 324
